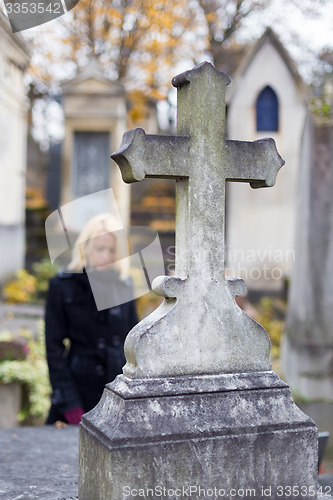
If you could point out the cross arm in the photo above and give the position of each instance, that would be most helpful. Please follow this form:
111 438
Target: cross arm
141 155
255 162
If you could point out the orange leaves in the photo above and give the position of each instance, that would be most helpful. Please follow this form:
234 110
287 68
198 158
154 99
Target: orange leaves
138 40
211 17
146 27
139 103
138 108
116 17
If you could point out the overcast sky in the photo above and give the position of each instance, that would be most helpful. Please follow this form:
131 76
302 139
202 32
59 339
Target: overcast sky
304 34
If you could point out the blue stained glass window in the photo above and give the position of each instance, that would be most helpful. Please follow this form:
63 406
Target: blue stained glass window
267 110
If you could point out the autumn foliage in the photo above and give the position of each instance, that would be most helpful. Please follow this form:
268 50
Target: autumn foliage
139 42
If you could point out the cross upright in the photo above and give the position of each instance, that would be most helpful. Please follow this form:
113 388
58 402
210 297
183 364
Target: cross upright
198 329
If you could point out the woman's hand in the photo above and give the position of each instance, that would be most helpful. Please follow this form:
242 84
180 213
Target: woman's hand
73 416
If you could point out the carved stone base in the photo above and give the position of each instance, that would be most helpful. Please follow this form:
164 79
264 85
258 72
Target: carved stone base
237 435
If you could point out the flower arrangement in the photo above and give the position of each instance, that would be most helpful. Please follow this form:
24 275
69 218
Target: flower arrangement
21 289
23 360
24 287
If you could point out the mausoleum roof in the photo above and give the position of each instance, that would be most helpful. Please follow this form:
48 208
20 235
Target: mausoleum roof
92 71
244 56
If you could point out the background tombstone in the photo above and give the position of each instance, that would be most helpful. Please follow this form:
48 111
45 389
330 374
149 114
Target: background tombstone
14 57
198 405
307 353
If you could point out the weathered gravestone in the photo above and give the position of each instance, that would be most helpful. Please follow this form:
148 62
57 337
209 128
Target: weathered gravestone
307 349
198 409
308 343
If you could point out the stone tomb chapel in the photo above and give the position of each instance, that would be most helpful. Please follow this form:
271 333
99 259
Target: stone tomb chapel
14 58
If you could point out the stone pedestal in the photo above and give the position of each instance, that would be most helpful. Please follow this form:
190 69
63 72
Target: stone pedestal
232 434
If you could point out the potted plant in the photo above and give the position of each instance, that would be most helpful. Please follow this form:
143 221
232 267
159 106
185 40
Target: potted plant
24 379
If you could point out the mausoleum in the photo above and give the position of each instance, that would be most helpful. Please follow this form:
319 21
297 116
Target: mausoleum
14 57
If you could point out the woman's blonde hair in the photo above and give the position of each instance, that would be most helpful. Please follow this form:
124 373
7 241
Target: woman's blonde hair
100 224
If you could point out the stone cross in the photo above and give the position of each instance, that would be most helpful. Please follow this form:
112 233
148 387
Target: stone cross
197 388
198 329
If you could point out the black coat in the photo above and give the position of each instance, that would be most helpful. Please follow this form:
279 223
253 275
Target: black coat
79 372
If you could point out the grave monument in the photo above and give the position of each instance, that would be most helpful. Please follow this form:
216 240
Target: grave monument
198 411
307 354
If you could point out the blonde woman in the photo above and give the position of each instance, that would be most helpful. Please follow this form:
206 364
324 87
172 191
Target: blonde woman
95 357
